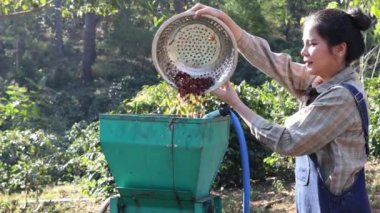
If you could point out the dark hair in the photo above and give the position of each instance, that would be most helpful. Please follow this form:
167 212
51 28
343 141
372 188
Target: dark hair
337 26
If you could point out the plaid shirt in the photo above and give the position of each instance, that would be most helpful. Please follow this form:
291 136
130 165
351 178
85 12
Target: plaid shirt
330 126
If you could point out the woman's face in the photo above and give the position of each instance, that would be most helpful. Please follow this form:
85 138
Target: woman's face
319 58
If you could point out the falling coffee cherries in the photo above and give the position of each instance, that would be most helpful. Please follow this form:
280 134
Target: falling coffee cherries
188 85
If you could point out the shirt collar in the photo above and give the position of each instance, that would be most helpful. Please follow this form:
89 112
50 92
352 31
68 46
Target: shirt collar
346 74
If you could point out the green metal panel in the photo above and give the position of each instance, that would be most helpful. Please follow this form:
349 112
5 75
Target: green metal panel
159 153
127 205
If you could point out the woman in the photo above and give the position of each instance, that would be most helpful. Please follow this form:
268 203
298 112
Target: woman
326 135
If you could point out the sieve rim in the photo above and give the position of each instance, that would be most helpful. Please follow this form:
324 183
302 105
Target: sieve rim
218 82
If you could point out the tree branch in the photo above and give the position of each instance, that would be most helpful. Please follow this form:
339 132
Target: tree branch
25 12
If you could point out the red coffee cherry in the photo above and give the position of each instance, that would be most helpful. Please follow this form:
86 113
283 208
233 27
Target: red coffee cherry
189 85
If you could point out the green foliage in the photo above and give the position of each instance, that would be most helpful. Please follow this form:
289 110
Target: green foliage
17 109
241 12
371 7
27 43
373 90
123 56
87 161
11 6
270 100
164 99
61 109
28 160
135 45
70 9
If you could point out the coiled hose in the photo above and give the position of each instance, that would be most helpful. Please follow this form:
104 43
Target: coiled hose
223 111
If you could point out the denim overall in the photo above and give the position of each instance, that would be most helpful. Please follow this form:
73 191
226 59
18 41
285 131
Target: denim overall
312 196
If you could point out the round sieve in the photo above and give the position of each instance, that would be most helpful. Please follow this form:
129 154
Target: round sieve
201 51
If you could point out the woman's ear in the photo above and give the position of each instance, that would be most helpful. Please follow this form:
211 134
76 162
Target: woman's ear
340 49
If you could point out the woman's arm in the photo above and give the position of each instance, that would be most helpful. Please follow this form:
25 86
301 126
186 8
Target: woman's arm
308 130
256 50
279 66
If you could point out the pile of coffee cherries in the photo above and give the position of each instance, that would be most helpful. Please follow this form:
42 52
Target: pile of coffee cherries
188 85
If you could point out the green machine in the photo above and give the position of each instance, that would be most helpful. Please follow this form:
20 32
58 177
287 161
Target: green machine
164 164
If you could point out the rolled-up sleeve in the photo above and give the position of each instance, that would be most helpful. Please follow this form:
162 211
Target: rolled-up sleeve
279 66
268 133
309 129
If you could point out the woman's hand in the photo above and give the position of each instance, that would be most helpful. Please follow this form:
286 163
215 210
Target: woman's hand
201 9
227 94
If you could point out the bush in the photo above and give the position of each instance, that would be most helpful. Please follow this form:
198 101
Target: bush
372 87
17 110
87 163
29 160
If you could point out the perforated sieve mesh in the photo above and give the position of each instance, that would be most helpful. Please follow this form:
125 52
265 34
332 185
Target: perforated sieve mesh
202 48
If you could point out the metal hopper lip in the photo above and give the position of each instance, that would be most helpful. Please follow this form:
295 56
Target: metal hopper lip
202 47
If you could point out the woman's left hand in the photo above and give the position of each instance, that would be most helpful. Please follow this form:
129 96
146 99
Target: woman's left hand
227 94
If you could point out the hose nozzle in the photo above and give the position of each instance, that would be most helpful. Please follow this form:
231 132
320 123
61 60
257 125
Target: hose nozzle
222 111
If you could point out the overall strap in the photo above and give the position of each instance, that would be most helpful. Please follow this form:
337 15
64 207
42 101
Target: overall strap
360 103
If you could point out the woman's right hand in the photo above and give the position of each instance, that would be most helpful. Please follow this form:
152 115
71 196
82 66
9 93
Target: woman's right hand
201 9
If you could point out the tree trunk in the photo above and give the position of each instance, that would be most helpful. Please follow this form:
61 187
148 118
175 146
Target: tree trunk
58 27
89 48
20 50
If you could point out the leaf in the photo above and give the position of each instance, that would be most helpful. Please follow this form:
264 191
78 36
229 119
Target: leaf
332 5
6 2
24 7
375 10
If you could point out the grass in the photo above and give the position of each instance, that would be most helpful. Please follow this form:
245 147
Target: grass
273 195
277 196
61 198
373 184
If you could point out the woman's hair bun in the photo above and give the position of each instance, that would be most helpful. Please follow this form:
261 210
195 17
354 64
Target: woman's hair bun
359 19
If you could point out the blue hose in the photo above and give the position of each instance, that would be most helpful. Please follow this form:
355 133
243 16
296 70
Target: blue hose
244 161
223 111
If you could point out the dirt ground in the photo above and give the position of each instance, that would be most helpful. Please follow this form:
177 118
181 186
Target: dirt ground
273 195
